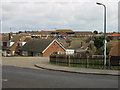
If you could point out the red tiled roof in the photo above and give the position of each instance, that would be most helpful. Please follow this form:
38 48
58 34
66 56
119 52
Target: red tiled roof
5 38
64 30
114 34
26 39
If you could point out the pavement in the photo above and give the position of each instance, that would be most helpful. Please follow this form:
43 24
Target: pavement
43 63
24 62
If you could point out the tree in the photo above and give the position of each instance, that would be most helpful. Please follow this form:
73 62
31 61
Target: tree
108 48
98 42
69 42
100 51
95 32
109 39
20 32
114 32
92 48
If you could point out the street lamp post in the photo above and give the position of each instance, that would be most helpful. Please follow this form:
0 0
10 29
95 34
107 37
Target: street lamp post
104 33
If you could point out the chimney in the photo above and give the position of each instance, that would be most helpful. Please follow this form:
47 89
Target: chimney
10 36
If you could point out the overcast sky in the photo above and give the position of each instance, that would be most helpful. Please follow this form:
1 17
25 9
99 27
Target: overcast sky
82 15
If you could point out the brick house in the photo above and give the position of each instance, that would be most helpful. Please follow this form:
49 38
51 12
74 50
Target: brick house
60 33
12 43
77 45
41 47
6 43
15 48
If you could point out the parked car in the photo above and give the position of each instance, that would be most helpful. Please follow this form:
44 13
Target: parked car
57 53
8 54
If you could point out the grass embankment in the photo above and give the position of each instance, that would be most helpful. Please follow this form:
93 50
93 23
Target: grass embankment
80 38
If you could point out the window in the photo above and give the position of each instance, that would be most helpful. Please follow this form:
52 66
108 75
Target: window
38 54
25 53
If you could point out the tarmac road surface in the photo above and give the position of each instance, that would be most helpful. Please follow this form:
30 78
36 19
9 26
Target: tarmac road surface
19 77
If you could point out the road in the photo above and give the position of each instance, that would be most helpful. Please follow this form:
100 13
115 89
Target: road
19 77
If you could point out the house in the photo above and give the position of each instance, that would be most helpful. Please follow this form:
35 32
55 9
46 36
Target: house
115 54
15 48
70 51
11 43
75 46
6 43
41 47
83 34
59 33
114 36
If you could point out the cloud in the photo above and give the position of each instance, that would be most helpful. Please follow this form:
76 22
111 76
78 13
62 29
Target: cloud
51 14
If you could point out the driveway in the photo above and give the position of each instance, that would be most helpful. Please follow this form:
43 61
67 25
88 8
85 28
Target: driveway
26 62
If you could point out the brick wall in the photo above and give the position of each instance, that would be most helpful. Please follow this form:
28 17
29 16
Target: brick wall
53 48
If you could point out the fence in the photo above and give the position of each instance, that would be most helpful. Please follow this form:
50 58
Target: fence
72 61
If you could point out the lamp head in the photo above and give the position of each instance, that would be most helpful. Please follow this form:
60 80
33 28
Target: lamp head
99 3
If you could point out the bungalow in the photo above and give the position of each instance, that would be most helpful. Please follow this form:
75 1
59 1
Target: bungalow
41 47
75 46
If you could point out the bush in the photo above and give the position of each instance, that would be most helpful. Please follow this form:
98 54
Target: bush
98 42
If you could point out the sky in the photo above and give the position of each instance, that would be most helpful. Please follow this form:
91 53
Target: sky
37 15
